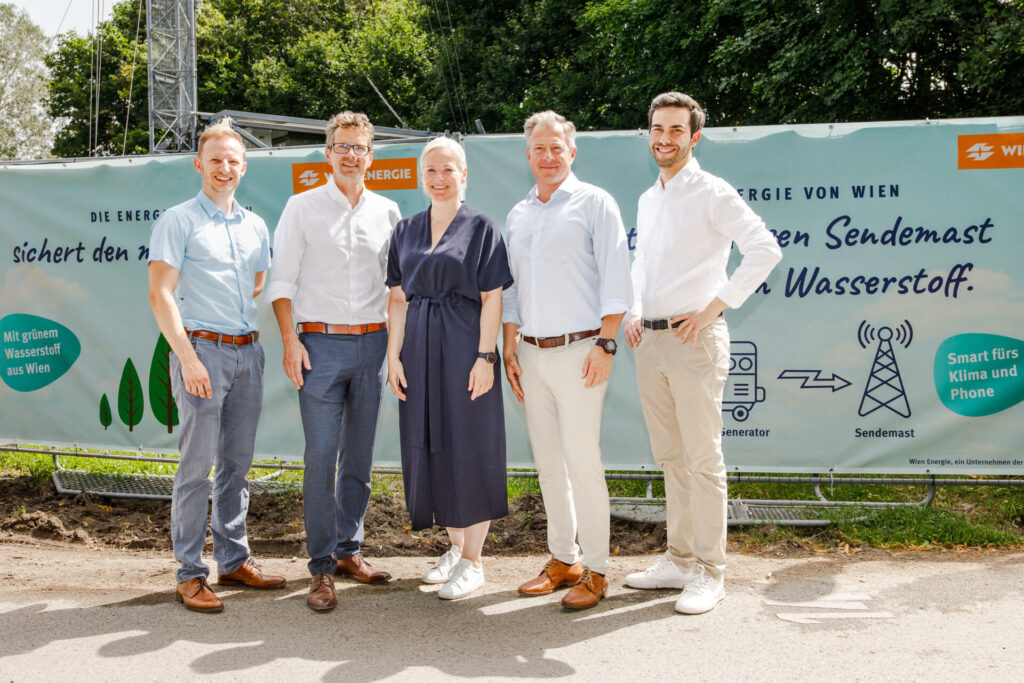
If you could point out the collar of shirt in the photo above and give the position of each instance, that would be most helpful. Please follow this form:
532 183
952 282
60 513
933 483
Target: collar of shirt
214 211
680 179
565 189
335 193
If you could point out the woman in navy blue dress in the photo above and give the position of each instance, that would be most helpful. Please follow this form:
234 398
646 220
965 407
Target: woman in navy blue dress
446 269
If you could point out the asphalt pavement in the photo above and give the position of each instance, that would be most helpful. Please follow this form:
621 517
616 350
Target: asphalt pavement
68 613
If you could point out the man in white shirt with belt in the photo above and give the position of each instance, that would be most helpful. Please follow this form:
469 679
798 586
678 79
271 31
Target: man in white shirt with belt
686 225
328 292
570 260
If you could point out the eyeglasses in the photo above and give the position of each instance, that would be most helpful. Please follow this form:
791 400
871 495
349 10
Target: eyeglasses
342 148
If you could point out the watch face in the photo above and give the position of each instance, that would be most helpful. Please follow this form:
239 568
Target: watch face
608 345
489 356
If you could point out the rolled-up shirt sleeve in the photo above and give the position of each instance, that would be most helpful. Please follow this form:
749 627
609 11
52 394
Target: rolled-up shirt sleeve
611 251
732 217
288 249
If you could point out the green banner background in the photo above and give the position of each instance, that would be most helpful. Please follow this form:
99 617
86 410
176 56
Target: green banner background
822 381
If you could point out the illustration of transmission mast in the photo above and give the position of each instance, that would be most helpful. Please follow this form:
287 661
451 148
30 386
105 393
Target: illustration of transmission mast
885 386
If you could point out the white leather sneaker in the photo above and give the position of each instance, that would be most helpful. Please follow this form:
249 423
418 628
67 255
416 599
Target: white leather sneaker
464 580
701 594
443 570
663 574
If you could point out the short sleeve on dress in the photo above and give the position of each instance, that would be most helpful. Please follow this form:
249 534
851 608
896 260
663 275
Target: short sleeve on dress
493 270
394 276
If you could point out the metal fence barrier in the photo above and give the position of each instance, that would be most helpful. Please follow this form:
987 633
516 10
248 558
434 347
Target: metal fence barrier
648 508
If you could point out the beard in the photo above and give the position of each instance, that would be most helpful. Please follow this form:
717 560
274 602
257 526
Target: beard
668 161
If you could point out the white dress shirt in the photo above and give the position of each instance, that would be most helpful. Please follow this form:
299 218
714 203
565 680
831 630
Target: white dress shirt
685 232
330 258
570 261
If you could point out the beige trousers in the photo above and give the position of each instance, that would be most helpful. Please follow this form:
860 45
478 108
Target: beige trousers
563 419
681 388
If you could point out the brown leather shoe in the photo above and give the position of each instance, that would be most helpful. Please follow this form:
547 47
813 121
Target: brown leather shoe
321 596
588 592
197 596
359 569
554 574
250 575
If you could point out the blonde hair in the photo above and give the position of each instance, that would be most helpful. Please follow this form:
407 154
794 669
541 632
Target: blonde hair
443 142
446 143
221 129
550 118
349 119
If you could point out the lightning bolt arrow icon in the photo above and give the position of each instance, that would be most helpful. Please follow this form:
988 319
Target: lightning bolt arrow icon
813 379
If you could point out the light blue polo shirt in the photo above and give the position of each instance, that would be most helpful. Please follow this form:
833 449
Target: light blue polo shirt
217 258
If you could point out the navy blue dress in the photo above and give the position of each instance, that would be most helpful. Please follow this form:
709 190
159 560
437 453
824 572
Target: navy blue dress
453 449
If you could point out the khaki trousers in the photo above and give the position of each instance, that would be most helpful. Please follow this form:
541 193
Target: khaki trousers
681 388
563 419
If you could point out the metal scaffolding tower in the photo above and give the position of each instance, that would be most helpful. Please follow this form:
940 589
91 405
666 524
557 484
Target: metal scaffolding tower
171 41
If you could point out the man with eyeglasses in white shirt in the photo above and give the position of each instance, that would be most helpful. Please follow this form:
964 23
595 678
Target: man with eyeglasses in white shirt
328 293
686 225
570 261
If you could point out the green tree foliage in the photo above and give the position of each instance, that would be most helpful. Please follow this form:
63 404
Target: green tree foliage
24 126
129 396
802 61
161 398
105 417
444 64
70 95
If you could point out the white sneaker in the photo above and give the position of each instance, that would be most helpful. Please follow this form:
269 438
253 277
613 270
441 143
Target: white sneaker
464 580
701 594
445 565
663 574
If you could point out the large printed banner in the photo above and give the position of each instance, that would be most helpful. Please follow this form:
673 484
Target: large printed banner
888 340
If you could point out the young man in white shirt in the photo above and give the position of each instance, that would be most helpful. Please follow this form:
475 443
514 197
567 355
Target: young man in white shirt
328 292
570 261
686 225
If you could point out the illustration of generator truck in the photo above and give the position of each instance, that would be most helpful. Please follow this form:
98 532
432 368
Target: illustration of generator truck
742 391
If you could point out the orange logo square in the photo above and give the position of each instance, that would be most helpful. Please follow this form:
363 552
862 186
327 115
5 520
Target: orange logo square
309 175
995 150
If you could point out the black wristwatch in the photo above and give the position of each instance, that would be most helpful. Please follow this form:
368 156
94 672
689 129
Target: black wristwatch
489 356
609 345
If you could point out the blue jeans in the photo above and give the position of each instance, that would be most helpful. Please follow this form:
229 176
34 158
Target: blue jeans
217 433
339 402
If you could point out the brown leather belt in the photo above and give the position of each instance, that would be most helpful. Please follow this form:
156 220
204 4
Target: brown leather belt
328 328
561 340
224 338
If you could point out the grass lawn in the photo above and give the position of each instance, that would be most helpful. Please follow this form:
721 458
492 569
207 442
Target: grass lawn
959 517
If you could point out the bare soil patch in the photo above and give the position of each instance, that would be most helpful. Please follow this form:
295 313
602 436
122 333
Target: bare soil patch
31 508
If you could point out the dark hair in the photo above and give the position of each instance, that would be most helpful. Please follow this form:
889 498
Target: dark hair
678 99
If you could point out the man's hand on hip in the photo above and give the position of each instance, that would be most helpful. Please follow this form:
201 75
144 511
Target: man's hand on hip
691 324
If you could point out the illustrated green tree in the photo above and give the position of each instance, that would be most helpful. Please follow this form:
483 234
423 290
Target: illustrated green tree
129 396
24 125
161 398
105 417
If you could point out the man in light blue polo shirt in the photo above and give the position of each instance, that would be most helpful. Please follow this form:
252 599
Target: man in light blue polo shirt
208 259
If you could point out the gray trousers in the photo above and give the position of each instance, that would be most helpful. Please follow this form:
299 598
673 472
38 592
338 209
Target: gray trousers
217 433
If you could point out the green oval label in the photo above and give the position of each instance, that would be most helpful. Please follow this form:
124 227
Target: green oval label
35 351
979 374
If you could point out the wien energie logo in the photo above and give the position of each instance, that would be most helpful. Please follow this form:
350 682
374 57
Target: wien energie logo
383 174
996 150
